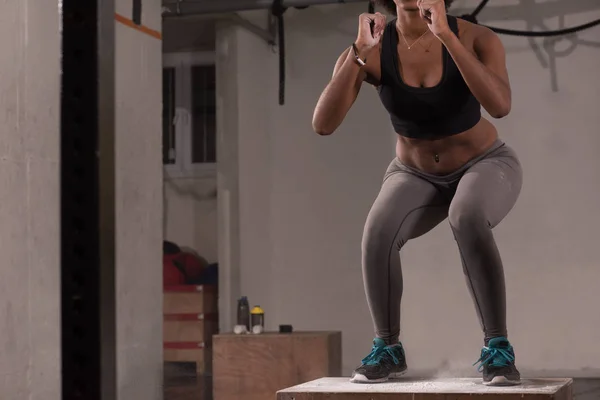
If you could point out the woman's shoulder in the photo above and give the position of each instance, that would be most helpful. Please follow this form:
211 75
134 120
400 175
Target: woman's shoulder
471 30
472 35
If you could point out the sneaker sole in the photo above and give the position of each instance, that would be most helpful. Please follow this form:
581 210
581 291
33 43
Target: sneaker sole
360 378
502 381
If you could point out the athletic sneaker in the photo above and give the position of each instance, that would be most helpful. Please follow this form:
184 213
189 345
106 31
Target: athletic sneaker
498 363
384 362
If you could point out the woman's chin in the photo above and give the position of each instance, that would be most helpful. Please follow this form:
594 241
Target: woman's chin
409 5
410 9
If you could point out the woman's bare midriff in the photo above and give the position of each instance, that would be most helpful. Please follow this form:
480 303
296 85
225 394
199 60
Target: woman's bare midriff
452 152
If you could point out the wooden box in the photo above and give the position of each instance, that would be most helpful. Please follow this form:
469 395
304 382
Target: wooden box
189 321
189 327
255 367
189 299
428 389
189 352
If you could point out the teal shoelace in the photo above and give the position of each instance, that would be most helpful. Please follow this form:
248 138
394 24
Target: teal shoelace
495 357
377 354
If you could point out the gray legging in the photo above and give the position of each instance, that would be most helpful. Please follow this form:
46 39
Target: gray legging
475 199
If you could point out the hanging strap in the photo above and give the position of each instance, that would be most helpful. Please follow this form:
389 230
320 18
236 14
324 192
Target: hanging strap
277 10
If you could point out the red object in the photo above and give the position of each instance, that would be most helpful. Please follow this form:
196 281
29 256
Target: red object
194 267
172 275
182 268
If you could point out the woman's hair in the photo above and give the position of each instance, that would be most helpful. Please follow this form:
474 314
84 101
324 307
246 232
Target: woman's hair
390 6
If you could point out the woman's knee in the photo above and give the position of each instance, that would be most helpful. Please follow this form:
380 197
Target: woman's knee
379 235
467 215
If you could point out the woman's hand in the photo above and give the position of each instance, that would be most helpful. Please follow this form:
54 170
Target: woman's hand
367 40
434 13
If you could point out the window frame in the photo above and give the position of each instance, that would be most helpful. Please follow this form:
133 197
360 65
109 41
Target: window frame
183 62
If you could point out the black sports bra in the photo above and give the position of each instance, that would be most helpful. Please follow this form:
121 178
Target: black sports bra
444 110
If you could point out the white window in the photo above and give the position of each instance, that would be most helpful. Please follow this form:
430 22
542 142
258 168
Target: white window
189 114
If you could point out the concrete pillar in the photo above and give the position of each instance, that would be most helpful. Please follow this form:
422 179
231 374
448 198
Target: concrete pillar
29 201
29 211
139 214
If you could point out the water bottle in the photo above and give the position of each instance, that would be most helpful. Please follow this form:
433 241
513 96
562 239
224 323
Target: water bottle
243 313
257 319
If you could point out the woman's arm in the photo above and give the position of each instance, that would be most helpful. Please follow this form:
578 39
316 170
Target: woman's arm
339 94
486 73
348 76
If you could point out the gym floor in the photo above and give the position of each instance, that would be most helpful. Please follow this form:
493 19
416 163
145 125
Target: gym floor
181 383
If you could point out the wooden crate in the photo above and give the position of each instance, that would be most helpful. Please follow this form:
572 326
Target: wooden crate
189 321
424 389
192 352
190 328
189 299
255 367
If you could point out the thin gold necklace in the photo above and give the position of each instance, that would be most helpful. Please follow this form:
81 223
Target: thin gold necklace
416 41
426 48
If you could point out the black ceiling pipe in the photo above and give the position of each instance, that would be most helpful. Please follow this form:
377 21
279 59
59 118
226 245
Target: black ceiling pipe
187 7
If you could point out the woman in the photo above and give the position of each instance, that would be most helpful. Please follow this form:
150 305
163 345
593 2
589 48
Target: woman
450 164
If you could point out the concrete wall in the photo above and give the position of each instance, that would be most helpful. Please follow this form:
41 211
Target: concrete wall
139 204
29 198
244 147
190 214
189 34
303 198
